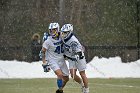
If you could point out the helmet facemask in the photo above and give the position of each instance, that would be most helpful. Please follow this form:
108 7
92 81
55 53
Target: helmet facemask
53 32
64 35
66 31
53 29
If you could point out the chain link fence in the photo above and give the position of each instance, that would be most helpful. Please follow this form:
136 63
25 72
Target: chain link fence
127 53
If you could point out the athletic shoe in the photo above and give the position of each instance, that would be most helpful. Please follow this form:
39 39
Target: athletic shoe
59 91
86 90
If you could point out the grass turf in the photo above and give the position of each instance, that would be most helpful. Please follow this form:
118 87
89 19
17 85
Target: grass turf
48 85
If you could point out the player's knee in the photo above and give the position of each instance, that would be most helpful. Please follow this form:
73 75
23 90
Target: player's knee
83 74
60 76
74 76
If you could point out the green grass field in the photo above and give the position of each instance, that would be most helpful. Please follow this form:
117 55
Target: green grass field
49 86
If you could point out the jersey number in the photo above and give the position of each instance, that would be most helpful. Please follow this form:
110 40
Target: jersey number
59 49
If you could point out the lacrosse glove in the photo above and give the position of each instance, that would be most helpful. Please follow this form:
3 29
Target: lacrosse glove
46 67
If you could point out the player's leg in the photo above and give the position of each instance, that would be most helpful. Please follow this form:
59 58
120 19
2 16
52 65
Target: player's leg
63 76
81 67
85 81
61 80
73 69
59 74
65 72
65 80
55 67
76 77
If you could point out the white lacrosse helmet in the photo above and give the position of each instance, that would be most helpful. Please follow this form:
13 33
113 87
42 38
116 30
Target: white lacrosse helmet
66 30
53 29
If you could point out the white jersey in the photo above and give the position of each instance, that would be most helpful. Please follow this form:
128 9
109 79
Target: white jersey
53 48
71 46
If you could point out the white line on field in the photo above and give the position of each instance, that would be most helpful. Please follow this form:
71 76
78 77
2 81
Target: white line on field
73 85
113 85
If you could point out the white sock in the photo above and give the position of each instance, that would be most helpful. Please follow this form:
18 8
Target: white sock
86 90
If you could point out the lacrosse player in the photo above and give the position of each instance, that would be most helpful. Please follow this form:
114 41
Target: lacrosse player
46 34
55 59
73 50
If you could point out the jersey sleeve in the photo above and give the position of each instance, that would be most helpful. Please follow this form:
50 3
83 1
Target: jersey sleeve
46 44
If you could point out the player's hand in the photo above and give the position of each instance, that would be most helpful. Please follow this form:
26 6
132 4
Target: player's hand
46 67
79 56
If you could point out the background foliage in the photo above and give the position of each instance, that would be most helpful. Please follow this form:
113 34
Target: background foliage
96 22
